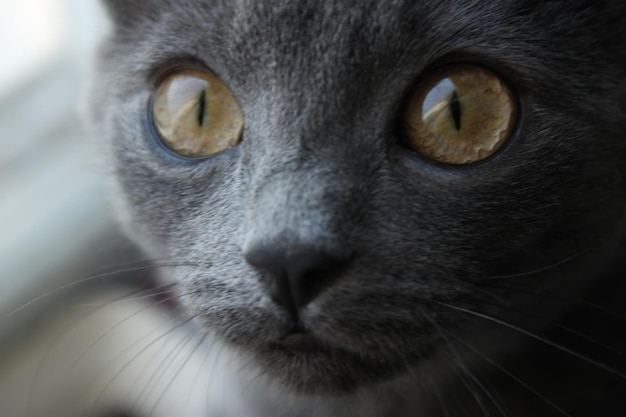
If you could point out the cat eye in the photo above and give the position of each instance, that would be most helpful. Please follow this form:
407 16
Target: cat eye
459 115
194 114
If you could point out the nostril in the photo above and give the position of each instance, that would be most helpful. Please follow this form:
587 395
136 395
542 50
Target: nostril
272 260
310 273
296 274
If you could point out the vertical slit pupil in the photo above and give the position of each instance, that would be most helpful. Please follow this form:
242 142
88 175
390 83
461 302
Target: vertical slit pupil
202 108
455 109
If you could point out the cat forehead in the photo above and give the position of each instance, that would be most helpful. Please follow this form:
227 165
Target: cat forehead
268 30
323 31
254 43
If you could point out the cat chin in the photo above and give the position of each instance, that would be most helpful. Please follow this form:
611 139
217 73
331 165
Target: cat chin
325 358
321 373
318 366
337 384
320 369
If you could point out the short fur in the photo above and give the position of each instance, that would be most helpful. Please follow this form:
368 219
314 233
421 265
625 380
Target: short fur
455 273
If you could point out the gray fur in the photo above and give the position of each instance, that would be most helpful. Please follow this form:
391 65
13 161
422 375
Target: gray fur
321 85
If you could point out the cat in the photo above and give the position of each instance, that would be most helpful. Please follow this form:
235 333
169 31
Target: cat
382 208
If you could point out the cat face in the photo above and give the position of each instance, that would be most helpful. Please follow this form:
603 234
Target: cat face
321 241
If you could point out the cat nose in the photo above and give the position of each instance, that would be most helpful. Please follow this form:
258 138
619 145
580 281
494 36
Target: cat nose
296 274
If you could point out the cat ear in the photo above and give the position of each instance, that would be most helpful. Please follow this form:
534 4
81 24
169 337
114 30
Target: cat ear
126 13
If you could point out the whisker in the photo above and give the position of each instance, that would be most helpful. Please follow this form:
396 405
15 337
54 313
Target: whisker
566 329
509 374
539 338
584 303
88 279
418 378
135 356
476 288
55 341
539 270
210 379
123 300
132 345
415 377
439 397
493 390
468 373
591 340
118 324
252 380
180 368
464 377
194 382
160 370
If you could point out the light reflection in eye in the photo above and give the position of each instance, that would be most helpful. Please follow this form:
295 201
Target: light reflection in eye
459 114
438 97
195 114
182 90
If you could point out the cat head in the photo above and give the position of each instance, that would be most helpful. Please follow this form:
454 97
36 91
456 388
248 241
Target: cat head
331 234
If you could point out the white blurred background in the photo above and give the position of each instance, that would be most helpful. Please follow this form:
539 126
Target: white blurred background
53 204
71 346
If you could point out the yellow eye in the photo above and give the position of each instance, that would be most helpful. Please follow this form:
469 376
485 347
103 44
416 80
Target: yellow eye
459 115
195 115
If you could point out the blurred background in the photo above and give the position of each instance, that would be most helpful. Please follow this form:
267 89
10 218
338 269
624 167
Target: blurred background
75 338
54 213
56 221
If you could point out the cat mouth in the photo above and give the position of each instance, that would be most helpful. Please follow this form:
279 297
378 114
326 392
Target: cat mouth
301 342
310 365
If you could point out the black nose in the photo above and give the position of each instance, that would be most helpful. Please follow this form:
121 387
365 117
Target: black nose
296 274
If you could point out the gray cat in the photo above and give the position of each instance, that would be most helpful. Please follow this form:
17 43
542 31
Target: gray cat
383 208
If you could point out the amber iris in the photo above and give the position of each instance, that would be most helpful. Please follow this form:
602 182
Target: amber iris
460 114
195 114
